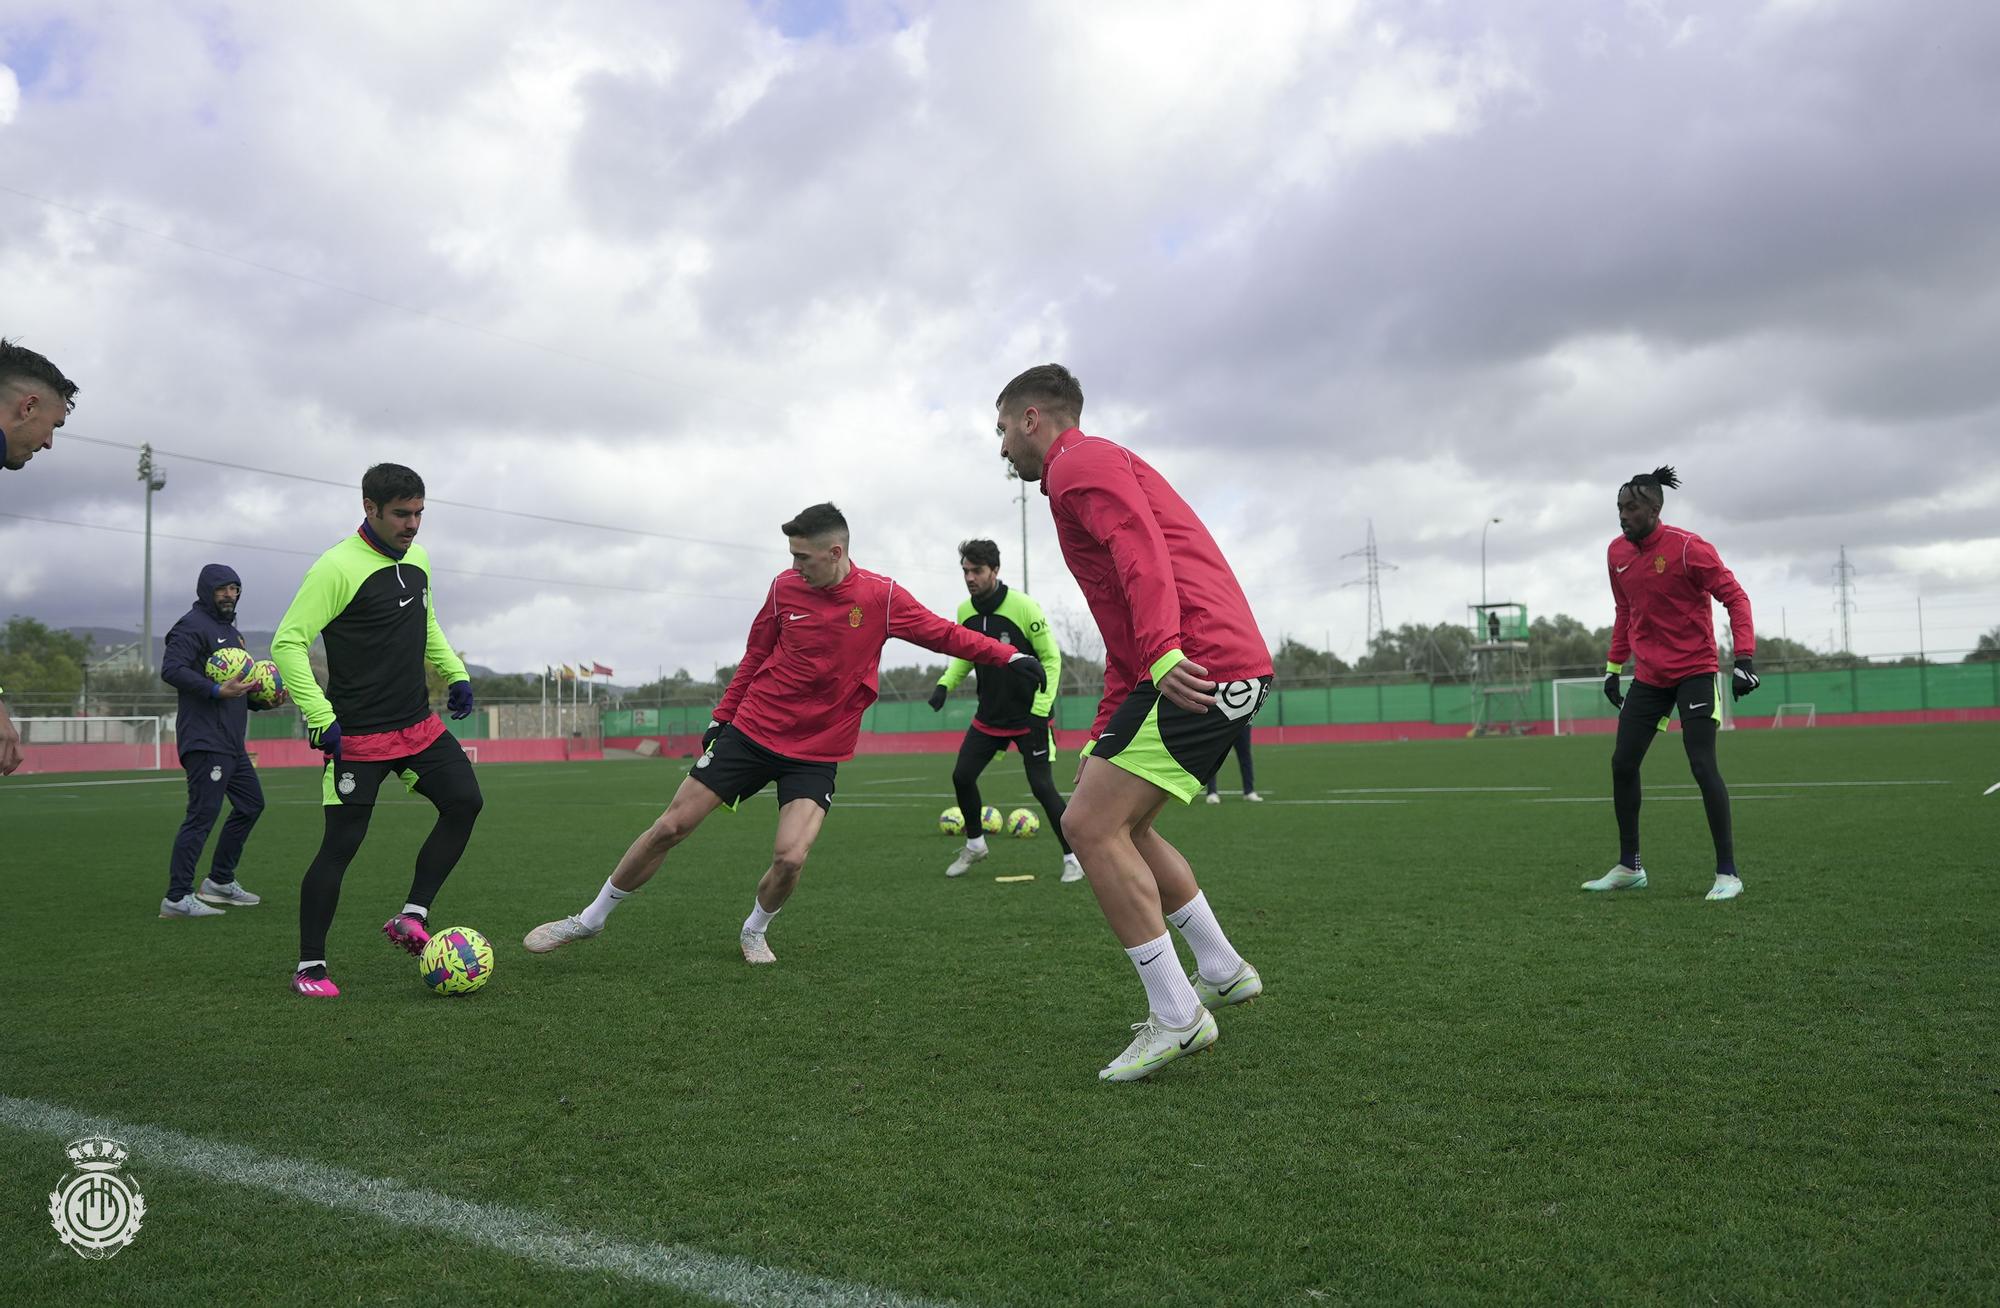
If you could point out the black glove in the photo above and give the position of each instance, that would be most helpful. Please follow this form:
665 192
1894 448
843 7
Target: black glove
326 739
1611 690
708 736
458 699
1743 680
1029 669
937 698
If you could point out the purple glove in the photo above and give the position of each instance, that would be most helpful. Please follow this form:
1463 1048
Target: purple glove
458 698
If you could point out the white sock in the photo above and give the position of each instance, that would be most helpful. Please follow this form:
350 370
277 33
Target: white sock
1069 860
310 962
600 908
418 911
759 921
1214 957
1168 993
977 843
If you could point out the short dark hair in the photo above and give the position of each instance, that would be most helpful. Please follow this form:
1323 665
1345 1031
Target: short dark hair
1652 486
20 364
1049 384
983 553
817 521
385 483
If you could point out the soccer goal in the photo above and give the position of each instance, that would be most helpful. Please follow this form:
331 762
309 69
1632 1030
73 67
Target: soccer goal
1800 715
471 753
90 744
1578 704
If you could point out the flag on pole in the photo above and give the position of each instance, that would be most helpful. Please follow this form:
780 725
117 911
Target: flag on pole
583 667
568 673
598 669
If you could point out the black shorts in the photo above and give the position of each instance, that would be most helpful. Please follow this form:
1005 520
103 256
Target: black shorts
352 783
1176 750
737 767
1696 698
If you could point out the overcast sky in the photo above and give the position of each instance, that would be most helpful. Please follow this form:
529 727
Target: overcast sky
688 268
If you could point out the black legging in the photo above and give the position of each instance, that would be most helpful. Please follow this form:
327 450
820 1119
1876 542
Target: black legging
978 749
1635 737
453 790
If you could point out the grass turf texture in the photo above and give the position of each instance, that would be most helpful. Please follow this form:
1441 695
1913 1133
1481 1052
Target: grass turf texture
1468 1079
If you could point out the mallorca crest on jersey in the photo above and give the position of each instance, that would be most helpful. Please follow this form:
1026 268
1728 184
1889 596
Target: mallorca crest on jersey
1659 563
854 616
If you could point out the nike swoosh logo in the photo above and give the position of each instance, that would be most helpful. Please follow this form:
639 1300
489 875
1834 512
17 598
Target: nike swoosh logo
1144 961
793 617
1191 1039
401 602
222 640
1038 753
1626 566
1231 989
1702 705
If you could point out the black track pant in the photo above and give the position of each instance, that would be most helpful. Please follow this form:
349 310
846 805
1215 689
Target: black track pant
452 788
1639 722
978 749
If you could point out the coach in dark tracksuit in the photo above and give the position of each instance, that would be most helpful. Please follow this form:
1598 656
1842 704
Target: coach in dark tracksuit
210 731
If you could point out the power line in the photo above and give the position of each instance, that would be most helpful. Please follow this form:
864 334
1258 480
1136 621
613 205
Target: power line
456 572
456 504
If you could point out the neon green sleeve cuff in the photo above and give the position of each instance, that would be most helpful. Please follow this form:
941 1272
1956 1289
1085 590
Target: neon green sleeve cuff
1089 748
1166 663
1609 666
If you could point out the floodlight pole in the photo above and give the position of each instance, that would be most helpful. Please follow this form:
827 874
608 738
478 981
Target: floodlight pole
1023 497
1482 562
156 481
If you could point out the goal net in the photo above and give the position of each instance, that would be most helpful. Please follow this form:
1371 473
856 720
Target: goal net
1577 704
90 744
1794 715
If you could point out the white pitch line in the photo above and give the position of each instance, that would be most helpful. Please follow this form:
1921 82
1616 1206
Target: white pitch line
719 1277
1651 799
1436 790
1995 786
888 781
65 785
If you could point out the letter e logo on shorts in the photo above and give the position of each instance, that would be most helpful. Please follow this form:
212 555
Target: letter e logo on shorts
1236 699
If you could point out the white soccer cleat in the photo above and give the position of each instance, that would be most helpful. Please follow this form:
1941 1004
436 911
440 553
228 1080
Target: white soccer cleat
187 906
755 948
229 892
1726 888
1252 797
1214 798
963 863
1619 878
1072 870
1154 1046
1242 987
551 936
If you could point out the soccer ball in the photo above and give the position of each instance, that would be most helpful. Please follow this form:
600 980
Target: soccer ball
990 821
1022 823
457 961
265 684
225 663
952 822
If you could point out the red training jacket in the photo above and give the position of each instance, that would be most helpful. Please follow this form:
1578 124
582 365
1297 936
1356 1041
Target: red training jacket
1153 577
1662 587
809 671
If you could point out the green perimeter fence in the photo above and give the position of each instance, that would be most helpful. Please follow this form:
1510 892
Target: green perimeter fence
1839 690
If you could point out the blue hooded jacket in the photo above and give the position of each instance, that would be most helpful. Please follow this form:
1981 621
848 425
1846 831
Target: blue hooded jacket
206 722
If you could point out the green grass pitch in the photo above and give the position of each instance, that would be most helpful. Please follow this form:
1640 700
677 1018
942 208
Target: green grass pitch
1467 1080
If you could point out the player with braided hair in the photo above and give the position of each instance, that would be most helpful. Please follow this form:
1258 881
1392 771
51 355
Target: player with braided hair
1662 580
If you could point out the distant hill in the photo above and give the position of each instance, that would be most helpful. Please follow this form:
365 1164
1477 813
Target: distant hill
105 639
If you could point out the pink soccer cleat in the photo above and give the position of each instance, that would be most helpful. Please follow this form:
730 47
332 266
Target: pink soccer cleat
407 931
319 987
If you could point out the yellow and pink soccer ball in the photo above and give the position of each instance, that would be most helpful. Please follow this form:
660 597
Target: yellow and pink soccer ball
265 684
990 821
1022 824
226 663
951 822
457 961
